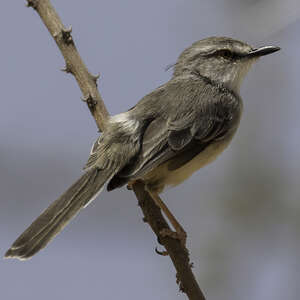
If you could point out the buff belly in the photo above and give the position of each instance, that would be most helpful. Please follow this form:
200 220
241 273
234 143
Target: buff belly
161 176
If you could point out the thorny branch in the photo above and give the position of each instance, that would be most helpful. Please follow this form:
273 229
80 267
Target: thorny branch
74 64
88 85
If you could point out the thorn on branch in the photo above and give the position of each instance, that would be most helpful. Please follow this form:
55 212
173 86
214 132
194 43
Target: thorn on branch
95 78
67 69
55 34
90 101
179 282
32 3
66 35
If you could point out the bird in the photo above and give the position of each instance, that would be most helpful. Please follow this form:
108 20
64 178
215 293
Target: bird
167 136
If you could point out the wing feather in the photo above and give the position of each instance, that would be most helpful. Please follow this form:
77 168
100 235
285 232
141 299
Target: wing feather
179 126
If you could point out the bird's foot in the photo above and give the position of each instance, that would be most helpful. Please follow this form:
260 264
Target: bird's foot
162 253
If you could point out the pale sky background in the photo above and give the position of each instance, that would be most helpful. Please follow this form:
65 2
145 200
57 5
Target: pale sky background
241 213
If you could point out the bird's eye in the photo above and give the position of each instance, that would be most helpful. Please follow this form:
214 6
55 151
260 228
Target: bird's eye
226 54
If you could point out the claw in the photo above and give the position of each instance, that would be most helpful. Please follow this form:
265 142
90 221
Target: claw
162 253
159 240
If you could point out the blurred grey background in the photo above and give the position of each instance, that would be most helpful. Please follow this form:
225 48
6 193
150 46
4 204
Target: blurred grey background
242 213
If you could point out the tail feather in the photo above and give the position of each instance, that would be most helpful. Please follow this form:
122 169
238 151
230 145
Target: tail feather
58 214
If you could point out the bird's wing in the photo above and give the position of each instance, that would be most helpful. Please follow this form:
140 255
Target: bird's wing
115 147
182 143
184 129
94 154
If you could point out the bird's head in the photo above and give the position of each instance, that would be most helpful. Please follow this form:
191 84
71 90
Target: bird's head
221 59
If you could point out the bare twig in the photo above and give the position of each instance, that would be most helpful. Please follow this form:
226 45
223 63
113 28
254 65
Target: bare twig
88 85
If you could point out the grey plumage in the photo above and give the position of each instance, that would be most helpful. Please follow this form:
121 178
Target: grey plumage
211 113
58 214
170 133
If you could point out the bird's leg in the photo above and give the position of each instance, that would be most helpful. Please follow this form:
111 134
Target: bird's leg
180 232
130 184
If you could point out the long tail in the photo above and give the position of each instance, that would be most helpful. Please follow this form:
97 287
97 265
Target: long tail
58 214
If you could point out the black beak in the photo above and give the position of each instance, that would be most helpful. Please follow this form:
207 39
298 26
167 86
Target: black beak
262 51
